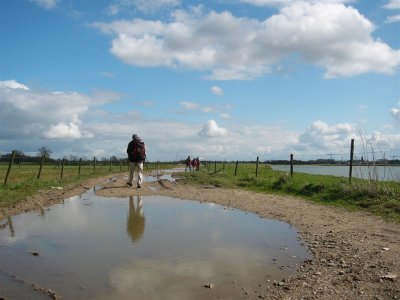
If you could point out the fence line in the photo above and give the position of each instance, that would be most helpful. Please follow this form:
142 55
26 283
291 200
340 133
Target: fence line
63 164
96 163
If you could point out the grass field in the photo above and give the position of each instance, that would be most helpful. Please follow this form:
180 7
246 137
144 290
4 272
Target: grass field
381 198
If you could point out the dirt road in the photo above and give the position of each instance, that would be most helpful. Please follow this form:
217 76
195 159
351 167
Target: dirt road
355 255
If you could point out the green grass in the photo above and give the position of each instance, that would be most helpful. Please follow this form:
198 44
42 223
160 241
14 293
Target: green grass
23 182
380 198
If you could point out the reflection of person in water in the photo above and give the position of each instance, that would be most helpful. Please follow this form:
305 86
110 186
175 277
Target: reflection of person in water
136 220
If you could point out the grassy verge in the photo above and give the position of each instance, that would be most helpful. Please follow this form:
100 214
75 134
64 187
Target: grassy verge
380 198
23 181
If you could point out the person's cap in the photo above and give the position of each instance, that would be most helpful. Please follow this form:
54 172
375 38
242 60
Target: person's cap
135 137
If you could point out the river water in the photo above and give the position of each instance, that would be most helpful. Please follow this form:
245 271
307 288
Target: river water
381 173
144 247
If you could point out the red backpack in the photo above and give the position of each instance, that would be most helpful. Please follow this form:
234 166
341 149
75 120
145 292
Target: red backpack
138 151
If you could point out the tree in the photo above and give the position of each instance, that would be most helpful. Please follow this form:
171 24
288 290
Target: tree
44 151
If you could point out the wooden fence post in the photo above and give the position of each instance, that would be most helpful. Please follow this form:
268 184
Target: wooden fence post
351 159
79 168
62 168
223 166
9 167
41 166
291 165
257 166
236 167
110 163
94 164
215 166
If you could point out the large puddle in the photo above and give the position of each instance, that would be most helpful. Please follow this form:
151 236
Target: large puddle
144 247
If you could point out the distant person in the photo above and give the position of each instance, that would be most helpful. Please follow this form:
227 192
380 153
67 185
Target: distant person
135 221
137 155
197 163
193 163
188 163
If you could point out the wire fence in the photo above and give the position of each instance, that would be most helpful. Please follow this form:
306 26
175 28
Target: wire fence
366 164
17 168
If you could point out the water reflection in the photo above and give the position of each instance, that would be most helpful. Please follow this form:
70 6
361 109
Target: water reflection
187 245
136 220
10 225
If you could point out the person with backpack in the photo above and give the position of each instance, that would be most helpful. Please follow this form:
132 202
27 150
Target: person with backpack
137 155
188 163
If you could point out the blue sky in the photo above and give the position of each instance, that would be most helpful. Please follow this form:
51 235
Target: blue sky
216 79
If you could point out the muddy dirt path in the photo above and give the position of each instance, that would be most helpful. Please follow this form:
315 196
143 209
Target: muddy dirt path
355 255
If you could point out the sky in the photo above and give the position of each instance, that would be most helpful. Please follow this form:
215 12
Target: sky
222 79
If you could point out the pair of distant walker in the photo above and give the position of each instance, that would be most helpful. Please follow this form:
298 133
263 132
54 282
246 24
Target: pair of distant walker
137 155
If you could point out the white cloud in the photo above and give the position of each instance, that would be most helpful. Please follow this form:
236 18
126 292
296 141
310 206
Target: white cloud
395 113
393 19
393 4
323 137
189 105
211 129
46 4
12 84
216 90
63 131
32 114
328 34
71 123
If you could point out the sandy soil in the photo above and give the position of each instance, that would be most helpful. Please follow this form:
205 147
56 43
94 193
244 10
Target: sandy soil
355 255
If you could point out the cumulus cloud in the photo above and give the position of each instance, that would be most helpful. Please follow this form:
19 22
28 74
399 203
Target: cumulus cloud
395 113
393 19
12 84
63 131
216 90
46 4
393 4
73 123
328 34
28 113
211 129
322 136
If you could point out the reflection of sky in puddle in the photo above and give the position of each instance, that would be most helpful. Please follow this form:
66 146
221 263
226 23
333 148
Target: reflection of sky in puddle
153 247
150 178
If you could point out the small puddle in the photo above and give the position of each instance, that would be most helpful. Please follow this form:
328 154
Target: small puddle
152 247
151 178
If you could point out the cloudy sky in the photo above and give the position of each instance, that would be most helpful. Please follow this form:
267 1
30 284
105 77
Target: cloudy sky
222 79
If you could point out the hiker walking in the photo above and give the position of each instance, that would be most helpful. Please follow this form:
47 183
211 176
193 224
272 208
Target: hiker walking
188 163
193 163
137 154
197 163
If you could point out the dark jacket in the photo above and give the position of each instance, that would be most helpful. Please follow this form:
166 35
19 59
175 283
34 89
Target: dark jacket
135 146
